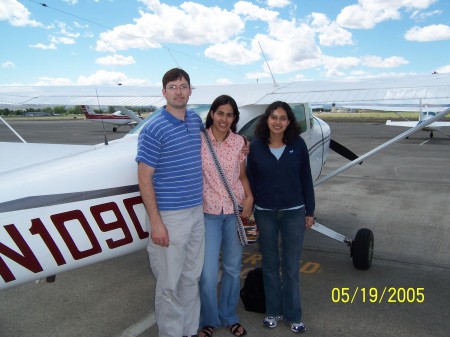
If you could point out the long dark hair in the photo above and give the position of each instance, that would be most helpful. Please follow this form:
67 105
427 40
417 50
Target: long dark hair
290 134
222 100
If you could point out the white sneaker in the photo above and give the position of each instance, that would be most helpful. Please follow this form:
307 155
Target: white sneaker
272 321
298 327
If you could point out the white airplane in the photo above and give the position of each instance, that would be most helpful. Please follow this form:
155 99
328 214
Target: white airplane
423 116
118 118
54 217
431 110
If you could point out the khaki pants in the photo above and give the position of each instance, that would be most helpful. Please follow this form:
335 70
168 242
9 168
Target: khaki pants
177 270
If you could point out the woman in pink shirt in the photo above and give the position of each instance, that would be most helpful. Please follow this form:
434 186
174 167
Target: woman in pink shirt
221 234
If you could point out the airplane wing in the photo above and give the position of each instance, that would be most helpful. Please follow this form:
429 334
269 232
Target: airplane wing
411 124
406 124
133 115
405 107
32 154
432 89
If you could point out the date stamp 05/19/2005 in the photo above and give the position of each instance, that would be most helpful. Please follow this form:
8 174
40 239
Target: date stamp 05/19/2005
378 295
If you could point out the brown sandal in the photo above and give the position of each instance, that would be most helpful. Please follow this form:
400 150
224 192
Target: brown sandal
207 331
234 329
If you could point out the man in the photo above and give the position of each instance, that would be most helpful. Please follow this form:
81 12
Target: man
170 182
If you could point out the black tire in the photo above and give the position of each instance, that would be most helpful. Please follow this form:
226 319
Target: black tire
362 249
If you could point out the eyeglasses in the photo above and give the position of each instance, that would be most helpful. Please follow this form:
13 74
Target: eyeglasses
173 87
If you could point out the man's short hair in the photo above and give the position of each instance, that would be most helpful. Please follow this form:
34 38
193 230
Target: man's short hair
175 74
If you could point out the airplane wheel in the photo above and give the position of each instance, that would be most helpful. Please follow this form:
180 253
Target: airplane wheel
362 249
114 129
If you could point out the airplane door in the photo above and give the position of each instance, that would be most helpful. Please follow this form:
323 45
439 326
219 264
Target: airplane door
311 133
301 116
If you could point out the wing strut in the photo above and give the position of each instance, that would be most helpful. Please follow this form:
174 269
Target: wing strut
14 131
331 233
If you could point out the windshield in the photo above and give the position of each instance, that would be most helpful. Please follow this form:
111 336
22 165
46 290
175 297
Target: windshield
201 109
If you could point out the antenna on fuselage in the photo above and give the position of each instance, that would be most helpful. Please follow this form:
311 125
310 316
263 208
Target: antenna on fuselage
103 123
268 66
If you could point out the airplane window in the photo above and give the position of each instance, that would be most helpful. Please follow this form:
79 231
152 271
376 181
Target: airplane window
248 130
299 112
201 109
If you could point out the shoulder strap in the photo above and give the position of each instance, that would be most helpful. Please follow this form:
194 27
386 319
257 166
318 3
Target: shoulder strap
241 231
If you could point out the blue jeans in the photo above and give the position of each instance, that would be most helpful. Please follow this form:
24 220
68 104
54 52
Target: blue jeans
282 292
220 232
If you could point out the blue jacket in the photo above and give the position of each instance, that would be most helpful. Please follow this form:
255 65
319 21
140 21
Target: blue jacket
284 183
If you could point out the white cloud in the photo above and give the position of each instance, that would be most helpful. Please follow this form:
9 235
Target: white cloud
368 13
330 33
333 63
66 30
379 62
428 33
8 64
334 35
257 76
422 16
16 14
444 69
232 53
102 77
223 81
43 46
333 72
190 23
278 3
115 60
289 46
253 12
44 81
319 20
61 40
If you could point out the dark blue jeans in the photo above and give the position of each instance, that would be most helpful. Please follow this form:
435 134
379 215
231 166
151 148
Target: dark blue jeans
282 291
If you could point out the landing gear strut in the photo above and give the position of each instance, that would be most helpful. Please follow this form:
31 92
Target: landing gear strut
361 248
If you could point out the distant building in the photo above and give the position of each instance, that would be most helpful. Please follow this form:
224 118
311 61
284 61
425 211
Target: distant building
36 114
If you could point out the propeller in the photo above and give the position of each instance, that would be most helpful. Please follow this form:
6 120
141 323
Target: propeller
343 151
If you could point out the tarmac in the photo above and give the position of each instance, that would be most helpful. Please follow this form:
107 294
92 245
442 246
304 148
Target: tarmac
402 194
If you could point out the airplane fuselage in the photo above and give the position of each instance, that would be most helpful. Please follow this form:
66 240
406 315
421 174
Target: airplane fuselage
75 210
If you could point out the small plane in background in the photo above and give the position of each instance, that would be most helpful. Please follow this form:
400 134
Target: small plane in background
429 112
54 217
423 116
118 118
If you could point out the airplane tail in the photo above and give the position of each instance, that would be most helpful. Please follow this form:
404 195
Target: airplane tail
88 111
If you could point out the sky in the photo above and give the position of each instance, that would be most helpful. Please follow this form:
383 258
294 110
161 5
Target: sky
133 42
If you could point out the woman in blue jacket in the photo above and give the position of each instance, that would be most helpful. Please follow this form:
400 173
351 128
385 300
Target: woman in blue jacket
280 177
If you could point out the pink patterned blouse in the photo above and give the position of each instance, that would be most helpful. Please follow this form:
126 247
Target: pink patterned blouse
229 152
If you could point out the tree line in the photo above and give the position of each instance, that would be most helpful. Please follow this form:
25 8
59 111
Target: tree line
64 110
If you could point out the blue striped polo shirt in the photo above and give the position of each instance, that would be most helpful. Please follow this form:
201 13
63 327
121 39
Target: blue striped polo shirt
172 147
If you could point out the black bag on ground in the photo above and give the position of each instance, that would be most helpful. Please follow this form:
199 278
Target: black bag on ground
252 293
